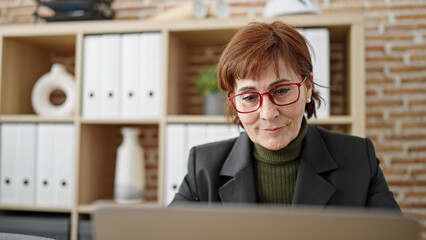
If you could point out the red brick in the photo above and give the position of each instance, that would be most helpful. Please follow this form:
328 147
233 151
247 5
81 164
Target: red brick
390 37
420 102
375 48
238 14
410 17
417 172
374 69
407 68
417 149
407 114
383 149
385 103
418 58
408 160
404 48
373 115
247 4
375 18
412 205
355 9
414 79
415 194
371 92
387 7
372 137
411 125
384 59
379 125
409 27
405 91
408 137
390 171
383 80
407 183
371 29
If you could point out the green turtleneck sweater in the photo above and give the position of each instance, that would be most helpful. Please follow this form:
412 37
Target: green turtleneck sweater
276 171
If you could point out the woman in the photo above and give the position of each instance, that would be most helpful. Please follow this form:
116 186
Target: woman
267 71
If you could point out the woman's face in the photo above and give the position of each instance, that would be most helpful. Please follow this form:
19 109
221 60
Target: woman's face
272 126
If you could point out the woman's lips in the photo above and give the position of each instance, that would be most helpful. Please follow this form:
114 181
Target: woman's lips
273 130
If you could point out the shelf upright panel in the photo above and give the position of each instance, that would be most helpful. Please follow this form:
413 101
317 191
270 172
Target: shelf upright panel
356 70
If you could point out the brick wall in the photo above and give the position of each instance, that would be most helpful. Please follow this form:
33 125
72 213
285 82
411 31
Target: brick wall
395 32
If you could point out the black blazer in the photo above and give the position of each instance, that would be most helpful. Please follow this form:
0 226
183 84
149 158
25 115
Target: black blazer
335 170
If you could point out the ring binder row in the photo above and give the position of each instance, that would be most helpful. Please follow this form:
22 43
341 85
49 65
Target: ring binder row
37 164
122 76
180 138
319 41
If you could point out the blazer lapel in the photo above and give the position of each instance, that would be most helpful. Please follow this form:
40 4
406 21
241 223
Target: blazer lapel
311 188
238 168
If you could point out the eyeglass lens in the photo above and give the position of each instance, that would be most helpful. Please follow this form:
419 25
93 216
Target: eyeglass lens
281 95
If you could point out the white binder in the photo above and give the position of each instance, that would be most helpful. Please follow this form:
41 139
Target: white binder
45 164
150 52
219 132
176 158
109 76
9 166
320 42
196 134
63 183
26 163
91 78
180 138
130 80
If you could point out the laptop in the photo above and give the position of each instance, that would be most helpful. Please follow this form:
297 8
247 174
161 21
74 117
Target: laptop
114 221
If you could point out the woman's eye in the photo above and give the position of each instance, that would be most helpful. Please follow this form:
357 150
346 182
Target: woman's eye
249 97
282 91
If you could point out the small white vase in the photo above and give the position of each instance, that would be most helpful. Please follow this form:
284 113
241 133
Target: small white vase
129 182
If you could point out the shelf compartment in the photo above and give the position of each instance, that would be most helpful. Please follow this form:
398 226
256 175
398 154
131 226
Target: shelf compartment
24 61
190 51
98 146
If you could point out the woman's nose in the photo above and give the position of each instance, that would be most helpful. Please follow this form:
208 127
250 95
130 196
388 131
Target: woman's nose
268 110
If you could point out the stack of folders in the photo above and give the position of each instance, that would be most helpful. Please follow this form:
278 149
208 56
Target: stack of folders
122 76
180 138
54 227
319 40
37 164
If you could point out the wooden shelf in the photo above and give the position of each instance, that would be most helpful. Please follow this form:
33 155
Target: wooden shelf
195 119
120 121
36 208
88 208
34 118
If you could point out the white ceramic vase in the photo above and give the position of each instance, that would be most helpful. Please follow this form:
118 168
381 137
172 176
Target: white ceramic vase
129 182
57 78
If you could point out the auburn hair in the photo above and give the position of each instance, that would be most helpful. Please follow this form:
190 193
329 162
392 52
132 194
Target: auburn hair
258 46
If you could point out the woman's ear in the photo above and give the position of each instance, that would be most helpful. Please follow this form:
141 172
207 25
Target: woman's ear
309 81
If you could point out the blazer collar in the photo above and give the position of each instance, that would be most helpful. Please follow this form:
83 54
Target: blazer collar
311 188
238 166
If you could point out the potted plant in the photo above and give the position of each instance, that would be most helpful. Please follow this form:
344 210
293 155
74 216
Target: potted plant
208 86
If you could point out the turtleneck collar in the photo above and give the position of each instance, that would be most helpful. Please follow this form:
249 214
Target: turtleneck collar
287 154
